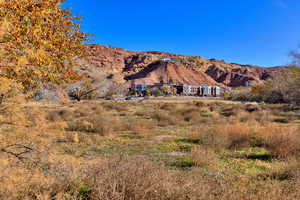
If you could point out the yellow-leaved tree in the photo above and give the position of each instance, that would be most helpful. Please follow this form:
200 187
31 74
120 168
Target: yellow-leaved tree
38 43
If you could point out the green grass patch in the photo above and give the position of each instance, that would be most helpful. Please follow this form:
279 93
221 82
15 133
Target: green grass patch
245 166
296 121
128 149
206 114
85 192
253 161
171 147
82 192
131 136
181 163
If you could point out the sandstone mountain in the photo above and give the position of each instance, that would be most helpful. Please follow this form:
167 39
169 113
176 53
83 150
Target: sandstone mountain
126 67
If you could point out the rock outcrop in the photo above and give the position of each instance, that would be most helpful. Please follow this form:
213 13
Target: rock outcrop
170 72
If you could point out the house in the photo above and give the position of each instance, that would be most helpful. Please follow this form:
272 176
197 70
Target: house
209 91
180 89
168 59
140 87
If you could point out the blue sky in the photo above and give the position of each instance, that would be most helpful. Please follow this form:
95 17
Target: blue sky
259 32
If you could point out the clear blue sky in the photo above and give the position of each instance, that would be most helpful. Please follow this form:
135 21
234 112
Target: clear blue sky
259 32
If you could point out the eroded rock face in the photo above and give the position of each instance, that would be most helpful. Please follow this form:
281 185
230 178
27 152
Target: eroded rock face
235 75
171 72
147 67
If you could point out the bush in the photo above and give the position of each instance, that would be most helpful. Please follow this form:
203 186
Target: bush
224 136
103 125
282 142
157 92
141 127
205 157
138 179
287 171
164 119
283 88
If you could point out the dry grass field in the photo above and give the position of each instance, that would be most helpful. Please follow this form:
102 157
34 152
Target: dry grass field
149 149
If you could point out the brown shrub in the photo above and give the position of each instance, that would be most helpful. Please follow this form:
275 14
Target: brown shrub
230 110
204 157
37 118
59 115
263 116
169 106
135 178
141 127
140 113
139 179
119 107
189 113
103 125
49 180
191 116
290 170
228 136
243 116
282 142
215 116
165 119
215 106
200 104
252 107
117 178
57 175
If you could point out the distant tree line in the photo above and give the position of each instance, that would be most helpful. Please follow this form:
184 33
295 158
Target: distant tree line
283 88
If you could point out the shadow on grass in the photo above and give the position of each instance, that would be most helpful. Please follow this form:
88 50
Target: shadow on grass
188 140
259 156
131 136
262 155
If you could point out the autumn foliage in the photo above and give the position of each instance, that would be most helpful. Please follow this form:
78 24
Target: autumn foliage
38 42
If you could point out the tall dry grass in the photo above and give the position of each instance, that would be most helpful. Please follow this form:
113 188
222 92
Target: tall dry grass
134 178
64 161
165 119
141 127
205 157
282 142
102 125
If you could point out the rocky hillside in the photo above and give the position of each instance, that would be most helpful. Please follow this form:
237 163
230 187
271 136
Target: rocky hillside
170 72
146 67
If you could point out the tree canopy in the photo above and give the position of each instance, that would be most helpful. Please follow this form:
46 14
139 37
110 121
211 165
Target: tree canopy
284 87
296 57
38 42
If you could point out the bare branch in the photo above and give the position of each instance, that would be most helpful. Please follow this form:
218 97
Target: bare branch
17 154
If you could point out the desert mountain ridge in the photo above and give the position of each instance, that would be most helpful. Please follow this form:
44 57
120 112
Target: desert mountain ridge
149 67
